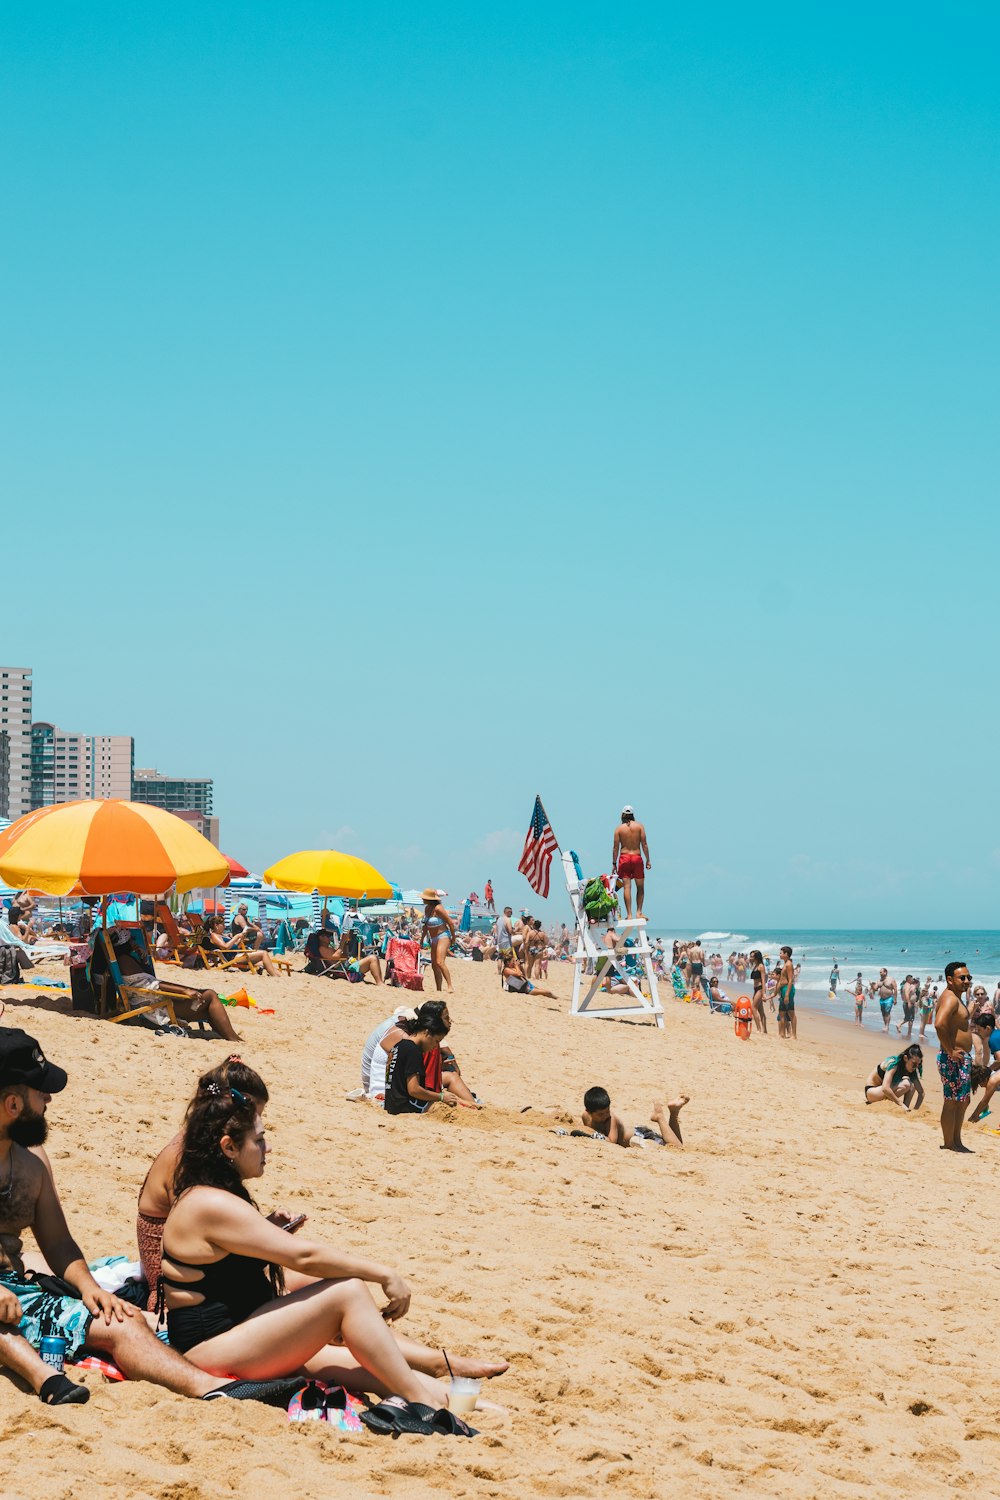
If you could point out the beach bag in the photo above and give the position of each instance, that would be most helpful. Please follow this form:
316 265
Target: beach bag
743 1012
598 900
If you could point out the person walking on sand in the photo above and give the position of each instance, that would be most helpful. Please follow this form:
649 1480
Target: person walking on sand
885 992
628 852
928 1002
439 930
858 991
908 996
954 1060
488 897
787 1024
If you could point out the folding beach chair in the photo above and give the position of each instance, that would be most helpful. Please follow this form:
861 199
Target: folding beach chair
402 965
116 999
234 958
37 952
181 947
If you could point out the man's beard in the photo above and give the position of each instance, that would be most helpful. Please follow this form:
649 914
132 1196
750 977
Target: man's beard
28 1130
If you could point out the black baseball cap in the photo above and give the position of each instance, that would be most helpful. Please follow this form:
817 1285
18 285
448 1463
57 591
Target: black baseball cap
23 1061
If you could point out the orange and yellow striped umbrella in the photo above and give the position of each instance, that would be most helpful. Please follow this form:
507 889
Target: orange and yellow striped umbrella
98 848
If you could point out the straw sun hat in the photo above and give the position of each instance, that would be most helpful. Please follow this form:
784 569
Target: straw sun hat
430 894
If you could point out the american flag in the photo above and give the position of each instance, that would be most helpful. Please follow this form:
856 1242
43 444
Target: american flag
539 847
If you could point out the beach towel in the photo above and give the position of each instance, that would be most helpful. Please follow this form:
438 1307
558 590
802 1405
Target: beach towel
404 956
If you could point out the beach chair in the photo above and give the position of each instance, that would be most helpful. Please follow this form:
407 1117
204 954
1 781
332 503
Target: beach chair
234 958
116 999
314 964
181 947
37 952
402 966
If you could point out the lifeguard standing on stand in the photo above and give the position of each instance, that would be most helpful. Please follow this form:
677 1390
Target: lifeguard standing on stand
630 849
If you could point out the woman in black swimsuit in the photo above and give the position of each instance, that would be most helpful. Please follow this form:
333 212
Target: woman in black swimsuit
222 1281
758 977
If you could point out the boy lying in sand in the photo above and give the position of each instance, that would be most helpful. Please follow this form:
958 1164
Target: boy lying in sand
598 1117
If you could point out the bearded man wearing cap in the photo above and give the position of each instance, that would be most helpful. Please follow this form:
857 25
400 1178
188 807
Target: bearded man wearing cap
69 1304
630 849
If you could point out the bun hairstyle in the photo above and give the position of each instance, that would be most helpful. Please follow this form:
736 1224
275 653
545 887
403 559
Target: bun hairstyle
234 1073
221 1108
429 1018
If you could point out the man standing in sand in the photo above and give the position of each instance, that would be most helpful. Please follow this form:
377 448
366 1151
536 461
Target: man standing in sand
954 1060
488 896
787 1024
503 935
627 855
885 993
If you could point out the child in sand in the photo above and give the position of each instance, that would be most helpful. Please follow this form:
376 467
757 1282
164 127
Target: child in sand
599 1118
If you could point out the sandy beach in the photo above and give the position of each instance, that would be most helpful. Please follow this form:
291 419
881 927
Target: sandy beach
791 1307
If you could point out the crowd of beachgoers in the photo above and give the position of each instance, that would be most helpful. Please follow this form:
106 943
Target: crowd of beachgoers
250 1307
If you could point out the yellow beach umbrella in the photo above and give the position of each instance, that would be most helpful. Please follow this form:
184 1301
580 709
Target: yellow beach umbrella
330 873
98 848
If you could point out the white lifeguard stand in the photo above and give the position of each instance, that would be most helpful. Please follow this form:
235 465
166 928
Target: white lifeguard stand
618 961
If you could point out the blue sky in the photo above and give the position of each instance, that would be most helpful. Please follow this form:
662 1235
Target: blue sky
408 410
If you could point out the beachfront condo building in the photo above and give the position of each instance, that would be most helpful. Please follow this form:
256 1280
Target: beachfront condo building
67 767
4 774
175 793
15 722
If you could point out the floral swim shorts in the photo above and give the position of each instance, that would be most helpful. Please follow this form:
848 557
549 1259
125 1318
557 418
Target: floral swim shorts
956 1077
44 1314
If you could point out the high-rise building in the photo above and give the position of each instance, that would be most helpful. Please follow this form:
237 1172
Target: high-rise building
15 720
66 767
4 774
175 793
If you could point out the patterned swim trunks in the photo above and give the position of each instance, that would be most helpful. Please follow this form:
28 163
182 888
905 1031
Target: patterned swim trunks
45 1315
956 1077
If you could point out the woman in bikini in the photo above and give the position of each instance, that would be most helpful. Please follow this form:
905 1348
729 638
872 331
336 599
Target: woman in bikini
758 977
216 943
898 1079
157 1199
231 1306
439 930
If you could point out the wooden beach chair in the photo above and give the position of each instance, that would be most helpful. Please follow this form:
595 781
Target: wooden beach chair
117 1000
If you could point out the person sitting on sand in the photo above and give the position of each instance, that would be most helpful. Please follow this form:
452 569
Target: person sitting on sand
132 957
233 947
898 1079
87 1317
406 1090
223 1281
512 978
599 1117
157 1198
441 1070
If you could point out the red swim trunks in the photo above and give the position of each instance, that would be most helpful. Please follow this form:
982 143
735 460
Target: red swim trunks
630 865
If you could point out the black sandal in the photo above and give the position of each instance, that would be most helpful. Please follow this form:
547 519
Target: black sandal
394 1415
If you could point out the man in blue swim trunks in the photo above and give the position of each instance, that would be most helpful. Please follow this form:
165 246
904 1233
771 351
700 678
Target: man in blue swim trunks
954 1060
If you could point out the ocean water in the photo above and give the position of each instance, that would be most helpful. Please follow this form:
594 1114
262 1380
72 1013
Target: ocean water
901 951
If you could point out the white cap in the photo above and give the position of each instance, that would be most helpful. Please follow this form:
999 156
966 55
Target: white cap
628 812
